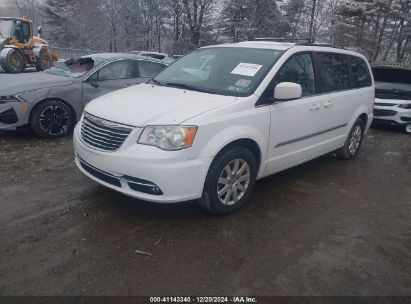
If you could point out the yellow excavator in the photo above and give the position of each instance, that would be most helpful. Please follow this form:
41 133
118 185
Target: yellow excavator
20 49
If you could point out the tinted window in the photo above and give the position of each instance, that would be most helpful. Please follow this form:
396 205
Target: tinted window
299 69
116 70
149 69
333 72
360 73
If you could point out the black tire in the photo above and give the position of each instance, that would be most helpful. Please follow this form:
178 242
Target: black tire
51 119
12 61
43 61
347 151
210 200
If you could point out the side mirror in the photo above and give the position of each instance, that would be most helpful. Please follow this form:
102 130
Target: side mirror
39 31
287 91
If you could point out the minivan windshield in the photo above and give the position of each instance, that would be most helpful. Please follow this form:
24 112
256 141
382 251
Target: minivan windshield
220 70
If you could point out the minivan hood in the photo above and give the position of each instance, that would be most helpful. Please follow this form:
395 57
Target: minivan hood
145 104
11 84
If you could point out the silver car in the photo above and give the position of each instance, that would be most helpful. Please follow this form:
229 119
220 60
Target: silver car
51 102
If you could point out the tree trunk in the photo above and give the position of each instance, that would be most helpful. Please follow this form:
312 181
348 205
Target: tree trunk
394 33
195 38
378 40
311 31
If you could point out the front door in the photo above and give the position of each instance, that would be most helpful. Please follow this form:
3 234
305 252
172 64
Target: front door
294 124
111 77
118 75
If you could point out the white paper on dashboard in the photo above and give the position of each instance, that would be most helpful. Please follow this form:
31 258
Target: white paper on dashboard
246 69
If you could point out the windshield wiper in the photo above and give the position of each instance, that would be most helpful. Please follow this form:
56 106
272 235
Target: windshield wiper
156 82
186 86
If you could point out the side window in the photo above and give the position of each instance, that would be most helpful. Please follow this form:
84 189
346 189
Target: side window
299 69
121 69
149 69
360 73
334 75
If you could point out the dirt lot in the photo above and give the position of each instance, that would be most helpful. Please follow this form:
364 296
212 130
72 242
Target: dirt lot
329 227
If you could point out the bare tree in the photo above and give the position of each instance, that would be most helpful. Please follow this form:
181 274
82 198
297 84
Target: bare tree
195 11
312 19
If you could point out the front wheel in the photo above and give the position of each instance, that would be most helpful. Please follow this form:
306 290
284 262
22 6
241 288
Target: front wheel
52 118
354 140
407 129
230 181
12 61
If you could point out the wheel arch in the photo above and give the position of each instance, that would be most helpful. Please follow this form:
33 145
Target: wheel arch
364 118
363 114
248 143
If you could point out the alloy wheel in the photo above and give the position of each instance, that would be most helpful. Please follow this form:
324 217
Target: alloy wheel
233 182
54 120
355 140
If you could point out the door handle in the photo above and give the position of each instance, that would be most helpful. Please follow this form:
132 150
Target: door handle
94 84
328 104
315 107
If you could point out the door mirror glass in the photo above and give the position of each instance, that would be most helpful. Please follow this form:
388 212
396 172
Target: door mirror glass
287 91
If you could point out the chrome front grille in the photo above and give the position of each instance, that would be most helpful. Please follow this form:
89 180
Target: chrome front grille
103 134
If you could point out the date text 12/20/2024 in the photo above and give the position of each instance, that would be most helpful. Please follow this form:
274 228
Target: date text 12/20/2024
203 300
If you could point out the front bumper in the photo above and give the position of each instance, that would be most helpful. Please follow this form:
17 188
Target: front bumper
391 113
177 177
13 115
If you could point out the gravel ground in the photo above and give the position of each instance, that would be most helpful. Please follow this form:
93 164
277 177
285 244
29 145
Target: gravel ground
328 227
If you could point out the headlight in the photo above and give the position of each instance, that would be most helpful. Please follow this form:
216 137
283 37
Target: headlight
9 98
405 106
169 138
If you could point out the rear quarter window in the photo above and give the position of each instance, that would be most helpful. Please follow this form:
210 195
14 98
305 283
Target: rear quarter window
149 69
360 73
334 73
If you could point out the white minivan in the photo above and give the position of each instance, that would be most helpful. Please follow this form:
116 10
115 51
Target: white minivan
212 123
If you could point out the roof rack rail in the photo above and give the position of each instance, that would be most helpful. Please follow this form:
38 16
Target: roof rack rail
322 44
298 41
273 39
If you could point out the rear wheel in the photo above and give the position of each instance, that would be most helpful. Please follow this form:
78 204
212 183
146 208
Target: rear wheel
408 129
230 181
52 118
354 140
43 61
12 61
